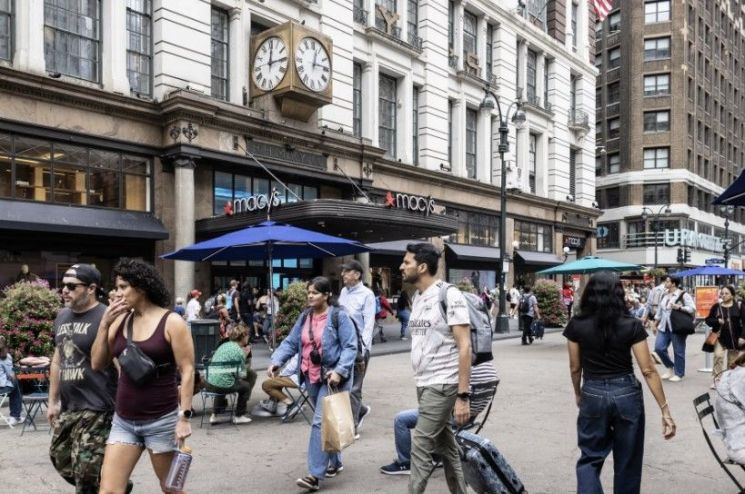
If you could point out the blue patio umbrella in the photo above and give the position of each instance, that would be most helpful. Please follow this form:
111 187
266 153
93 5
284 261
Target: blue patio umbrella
590 264
267 240
734 194
709 271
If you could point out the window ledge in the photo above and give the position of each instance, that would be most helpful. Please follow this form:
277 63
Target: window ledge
392 40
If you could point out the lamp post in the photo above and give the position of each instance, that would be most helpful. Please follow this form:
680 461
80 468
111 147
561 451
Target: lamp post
491 101
726 211
646 213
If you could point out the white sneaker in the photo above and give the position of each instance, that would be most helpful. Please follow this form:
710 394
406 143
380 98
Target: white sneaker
675 379
16 421
666 375
281 409
213 419
243 419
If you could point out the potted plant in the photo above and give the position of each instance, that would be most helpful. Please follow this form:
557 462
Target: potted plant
27 314
553 310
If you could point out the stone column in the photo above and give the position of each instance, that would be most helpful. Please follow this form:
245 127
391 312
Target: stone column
540 76
405 119
238 55
114 47
370 100
183 271
29 26
458 147
481 45
522 67
483 146
458 28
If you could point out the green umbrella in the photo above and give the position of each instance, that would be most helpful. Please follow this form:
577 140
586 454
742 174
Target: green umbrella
590 264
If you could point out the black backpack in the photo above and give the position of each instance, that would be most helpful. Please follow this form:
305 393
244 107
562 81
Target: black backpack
524 306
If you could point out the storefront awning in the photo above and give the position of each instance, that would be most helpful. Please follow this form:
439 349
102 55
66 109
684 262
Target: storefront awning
538 258
57 218
394 248
474 253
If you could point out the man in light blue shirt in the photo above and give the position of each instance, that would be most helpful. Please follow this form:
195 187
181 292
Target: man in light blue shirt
359 302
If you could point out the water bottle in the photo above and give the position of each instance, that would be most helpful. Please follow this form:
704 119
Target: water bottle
176 478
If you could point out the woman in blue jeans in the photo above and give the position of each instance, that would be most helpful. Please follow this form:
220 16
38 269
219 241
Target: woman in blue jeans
327 345
601 340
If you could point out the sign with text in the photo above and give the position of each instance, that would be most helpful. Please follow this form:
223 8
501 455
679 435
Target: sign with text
706 297
689 238
417 204
574 242
253 203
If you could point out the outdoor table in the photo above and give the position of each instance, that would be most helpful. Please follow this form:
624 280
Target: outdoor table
33 403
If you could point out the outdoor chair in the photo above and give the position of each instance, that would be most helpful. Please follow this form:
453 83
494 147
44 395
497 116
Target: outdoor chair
234 368
33 404
704 410
482 398
300 399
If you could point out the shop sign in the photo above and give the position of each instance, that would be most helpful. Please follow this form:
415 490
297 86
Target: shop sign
574 242
257 202
689 238
417 204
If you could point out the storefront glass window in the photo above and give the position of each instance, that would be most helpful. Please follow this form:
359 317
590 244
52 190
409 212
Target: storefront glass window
242 187
229 187
533 236
610 237
475 228
310 193
6 150
260 186
298 191
223 190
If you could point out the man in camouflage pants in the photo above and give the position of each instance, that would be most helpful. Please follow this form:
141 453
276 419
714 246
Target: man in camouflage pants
81 400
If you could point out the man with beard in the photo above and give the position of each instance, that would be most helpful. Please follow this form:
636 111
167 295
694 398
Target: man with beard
81 400
441 358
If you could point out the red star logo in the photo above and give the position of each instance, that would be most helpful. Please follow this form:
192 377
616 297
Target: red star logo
228 208
390 201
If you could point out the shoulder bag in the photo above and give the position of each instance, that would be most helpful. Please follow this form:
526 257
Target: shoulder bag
681 322
139 367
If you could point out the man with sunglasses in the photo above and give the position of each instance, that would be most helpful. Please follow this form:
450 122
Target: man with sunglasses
81 400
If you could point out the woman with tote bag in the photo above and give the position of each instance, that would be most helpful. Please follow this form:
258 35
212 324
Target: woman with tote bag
725 320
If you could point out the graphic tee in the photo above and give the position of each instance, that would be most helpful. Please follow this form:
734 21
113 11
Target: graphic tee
434 354
81 387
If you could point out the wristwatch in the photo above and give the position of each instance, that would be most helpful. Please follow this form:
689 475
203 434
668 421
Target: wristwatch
464 396
187 414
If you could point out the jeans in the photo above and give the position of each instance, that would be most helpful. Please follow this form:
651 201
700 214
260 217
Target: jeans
611 417
242 386
525 322
14 396
319 460
404 421
661 344
355 394
403 316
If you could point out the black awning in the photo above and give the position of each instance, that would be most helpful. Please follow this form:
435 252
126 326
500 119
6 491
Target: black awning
57 218
474 253
393 248
538 258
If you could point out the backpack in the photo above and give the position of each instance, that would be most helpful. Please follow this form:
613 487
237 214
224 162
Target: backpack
524 305
360 357
479 321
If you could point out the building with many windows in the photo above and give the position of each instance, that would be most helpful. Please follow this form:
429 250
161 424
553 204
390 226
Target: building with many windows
670 130
136 127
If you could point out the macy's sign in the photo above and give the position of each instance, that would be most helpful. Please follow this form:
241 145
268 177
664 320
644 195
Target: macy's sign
418 204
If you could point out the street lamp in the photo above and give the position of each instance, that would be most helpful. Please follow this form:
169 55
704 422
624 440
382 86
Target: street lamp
491 101
726 211
646 212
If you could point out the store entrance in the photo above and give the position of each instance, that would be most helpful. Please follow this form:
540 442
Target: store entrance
256 273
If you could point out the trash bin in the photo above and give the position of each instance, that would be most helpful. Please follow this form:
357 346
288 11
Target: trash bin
206 335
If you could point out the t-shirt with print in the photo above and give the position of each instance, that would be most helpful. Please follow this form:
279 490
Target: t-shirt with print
81 387
434 354
223 376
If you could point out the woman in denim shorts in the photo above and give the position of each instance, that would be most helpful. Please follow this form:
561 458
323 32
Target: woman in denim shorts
602 339
153 415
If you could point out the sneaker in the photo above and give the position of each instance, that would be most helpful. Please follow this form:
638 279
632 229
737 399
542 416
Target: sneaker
666 375
363 413
331 472
243 419
404 338
281 409
309 482
396 468
356 435
213 419
675 379
16 420
269 405
656 358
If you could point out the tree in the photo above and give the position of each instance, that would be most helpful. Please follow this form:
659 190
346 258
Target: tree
550 303
292 302
27 318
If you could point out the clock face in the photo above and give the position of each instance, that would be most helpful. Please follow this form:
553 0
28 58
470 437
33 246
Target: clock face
313 64
270 63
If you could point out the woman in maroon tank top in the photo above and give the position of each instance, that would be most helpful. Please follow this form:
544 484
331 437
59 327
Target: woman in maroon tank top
154 415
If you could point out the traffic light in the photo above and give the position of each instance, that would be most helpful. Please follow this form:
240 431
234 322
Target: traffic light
686 255
680 255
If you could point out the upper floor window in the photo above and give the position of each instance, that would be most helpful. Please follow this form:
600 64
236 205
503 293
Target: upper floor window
451 26
656 158
6 29
72 38
614 163
614 58
531 76
614 21
657 121
219 40
614 93
657 48
608 235
533 236
532 161
387 114
139 46
412 21
656 194
357 100
470 28
657 85
656 11
575 7
614 128
489 50
415 126
390 6
471 139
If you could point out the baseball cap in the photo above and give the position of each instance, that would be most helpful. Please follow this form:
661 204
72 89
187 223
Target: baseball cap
353 265
87 273
195 293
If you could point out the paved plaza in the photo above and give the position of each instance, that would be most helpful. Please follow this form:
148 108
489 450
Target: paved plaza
532 422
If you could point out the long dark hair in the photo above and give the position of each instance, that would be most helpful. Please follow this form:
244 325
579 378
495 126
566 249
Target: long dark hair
323 286
603 301
144 276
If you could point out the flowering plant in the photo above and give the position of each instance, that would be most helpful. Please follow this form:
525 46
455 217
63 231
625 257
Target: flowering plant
27 312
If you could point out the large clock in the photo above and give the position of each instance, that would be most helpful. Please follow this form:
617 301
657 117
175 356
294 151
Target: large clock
270 63
313 64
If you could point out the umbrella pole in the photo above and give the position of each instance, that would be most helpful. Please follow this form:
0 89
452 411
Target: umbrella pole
271 295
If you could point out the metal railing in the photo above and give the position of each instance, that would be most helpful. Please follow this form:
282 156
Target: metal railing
415 41
579 119
360 15
643 239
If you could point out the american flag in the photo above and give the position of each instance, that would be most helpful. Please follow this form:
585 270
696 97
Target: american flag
602 7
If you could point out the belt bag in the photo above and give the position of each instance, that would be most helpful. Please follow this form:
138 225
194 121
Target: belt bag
139 367
681 321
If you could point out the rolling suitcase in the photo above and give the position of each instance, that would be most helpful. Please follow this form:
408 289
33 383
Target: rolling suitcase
537 329
485 469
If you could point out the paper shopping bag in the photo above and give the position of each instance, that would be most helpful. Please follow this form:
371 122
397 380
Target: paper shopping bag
337 426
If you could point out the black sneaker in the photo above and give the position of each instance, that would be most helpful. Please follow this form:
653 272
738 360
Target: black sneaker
363 413
308 482
331 472
396 468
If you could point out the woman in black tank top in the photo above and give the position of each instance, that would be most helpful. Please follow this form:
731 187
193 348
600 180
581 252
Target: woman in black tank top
601 340
151 415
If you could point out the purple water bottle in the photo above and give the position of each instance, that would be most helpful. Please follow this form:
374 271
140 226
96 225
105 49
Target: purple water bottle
176 478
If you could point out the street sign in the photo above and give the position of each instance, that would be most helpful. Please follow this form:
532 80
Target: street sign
713 261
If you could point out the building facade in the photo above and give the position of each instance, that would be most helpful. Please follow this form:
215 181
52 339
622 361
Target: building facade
137 127
670 131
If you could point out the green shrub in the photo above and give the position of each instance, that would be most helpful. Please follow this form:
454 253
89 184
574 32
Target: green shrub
553 311
291 304
27 314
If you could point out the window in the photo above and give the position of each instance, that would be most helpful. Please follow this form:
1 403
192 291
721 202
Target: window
451 119
357 100
656 158
612 198
614 21
614 93
657 121
489 48
219 35
608 235
139 46
546 72
415 126
614 58
387 115
451 27
470 28
657 48
657 85
390 6
656 11
533 236
614 128
412 22
532 153
471 136
475 228
72 38
656 194
575 7
230 187
6 29
573 172
614 163
531 74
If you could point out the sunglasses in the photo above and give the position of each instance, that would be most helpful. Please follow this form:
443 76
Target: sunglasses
72 286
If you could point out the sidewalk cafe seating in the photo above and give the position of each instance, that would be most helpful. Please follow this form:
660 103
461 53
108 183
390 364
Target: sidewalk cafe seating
298 405
33 403
38 379
234 368
705 410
